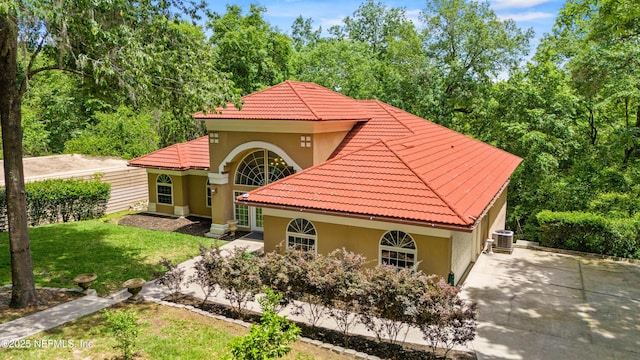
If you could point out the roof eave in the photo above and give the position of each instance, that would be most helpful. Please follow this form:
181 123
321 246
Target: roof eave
434 225
169 167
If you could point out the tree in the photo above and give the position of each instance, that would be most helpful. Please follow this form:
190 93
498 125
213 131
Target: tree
120 45
246 47
472 47
125 133
598 43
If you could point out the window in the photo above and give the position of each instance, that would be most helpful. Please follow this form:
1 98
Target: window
165 189
208 192
301 235
262 167
241 211
398 249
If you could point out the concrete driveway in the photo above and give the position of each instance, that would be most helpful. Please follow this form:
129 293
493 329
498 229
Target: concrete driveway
541 305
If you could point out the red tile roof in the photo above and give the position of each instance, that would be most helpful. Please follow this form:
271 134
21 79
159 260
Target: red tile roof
395 167
387 122
382 186
193 154
432 175
292 100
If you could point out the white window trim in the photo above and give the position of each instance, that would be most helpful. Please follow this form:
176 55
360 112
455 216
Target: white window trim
265 170
170 185
235 206
414 252
258 145
305 236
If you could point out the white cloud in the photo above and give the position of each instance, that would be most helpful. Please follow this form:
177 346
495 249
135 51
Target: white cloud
326 23
527 16
516 4
413 16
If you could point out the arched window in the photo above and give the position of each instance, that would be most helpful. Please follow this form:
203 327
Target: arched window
398 249
262 167
301 235
165 189
208 192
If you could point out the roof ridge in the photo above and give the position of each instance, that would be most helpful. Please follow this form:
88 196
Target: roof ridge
437 193
153 152
379 103
288 82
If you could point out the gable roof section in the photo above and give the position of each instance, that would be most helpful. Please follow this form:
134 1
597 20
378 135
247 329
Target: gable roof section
292 100
433 174
382 186
192 154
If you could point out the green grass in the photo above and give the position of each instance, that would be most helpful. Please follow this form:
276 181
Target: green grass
115 253
165 333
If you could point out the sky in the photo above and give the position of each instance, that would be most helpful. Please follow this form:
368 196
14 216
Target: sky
537 14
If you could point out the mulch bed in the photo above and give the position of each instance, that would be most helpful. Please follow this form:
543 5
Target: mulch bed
356 342
190 225
47 298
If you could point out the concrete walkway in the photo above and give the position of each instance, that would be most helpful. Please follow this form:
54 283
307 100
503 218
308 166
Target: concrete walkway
69 311
543 305
55 316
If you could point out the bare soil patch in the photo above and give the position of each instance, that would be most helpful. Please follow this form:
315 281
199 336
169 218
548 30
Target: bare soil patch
191 225
47 298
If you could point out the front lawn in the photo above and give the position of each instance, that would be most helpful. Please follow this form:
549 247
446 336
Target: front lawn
115 253
165 333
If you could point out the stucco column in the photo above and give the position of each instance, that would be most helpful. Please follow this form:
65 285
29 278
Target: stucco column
221 198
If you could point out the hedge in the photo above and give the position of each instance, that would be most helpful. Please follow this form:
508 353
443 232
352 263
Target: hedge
56 200
589 232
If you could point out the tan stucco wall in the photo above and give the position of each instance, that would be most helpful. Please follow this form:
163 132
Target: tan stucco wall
181 190
228 141
198 195
325 144
433 252
497 216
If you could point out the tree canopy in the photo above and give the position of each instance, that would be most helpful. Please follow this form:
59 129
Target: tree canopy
119 51
76 71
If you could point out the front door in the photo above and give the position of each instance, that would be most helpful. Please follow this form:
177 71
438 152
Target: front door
256 219
248 216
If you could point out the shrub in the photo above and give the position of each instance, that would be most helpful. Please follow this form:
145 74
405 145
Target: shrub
237 274
124 327
388 301
444 319
207 270
270 339
343 279
589 232
172 278
50 201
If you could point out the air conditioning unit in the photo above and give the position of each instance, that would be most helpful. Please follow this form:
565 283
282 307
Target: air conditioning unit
503 240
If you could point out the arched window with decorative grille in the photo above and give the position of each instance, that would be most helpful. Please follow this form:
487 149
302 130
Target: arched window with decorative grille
301 235
398 249
262 167
164 187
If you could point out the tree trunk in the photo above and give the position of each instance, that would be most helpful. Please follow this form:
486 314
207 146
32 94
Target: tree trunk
23 293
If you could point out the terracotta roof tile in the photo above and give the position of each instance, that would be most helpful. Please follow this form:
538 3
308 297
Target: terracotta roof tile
292 100
382 186
421 172
193 154
387 122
